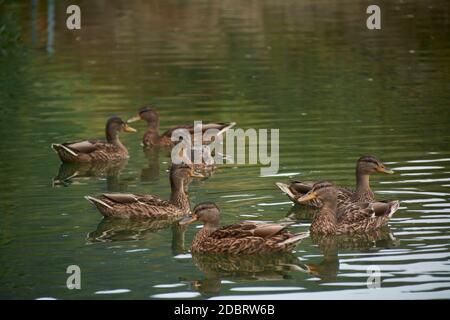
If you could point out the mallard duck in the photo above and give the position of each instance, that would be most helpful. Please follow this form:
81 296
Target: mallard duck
152 136
365 166
240 238
96 150
128 205
348 218
201 159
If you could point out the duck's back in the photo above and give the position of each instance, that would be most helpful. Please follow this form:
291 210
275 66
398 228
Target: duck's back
243 238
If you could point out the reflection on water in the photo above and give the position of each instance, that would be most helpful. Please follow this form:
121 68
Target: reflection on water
219 268
151 172
113 230
69 173
309 68
330 246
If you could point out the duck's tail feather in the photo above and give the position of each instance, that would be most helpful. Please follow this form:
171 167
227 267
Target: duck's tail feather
285 188
96 202
296 238
394 207
228 127
57 147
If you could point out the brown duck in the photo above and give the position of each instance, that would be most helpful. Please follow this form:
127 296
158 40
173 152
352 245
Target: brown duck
152 136
348 218
365 166
96 150
128 205
240 238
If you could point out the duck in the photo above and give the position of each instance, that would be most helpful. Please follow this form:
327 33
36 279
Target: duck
349 218
129 205
240 238
96 150
152 136
201 158
365 166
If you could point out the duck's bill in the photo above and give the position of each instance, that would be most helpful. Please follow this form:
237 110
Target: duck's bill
307 197
127 128
310 268
386 170
187 220
134 119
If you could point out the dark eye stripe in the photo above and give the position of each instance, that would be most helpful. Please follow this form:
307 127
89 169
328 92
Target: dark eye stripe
145 109
205 206
369 160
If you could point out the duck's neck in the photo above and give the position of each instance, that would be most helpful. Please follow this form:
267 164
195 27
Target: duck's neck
325 221
178 196
113 138
200 237
363 191
152 135
153 126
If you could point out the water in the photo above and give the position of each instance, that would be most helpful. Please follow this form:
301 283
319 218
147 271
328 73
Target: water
310 68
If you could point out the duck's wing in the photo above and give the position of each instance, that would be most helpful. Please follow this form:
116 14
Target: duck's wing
248 229
85 146
302 186
125 198
379 208
295 189
353 212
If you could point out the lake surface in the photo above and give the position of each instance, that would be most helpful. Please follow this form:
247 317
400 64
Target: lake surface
309 68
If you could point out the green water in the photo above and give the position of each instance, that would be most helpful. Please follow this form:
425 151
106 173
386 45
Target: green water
309 68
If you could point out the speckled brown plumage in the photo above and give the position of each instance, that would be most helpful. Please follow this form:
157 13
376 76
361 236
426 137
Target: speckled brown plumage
152 136
365 166
349 217
127 205
240 238
95 150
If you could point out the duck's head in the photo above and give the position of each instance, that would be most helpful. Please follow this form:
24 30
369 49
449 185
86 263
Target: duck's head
114 125
183 171
369 164
324 191
207 212
147 114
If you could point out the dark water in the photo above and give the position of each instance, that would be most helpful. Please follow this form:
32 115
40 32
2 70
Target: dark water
310 68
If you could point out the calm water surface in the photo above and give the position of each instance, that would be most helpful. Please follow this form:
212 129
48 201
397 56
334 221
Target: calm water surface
310 68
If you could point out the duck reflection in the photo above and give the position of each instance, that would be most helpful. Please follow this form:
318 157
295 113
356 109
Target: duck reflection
328 269
113 230
151 173
70 173
265 267
301 214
